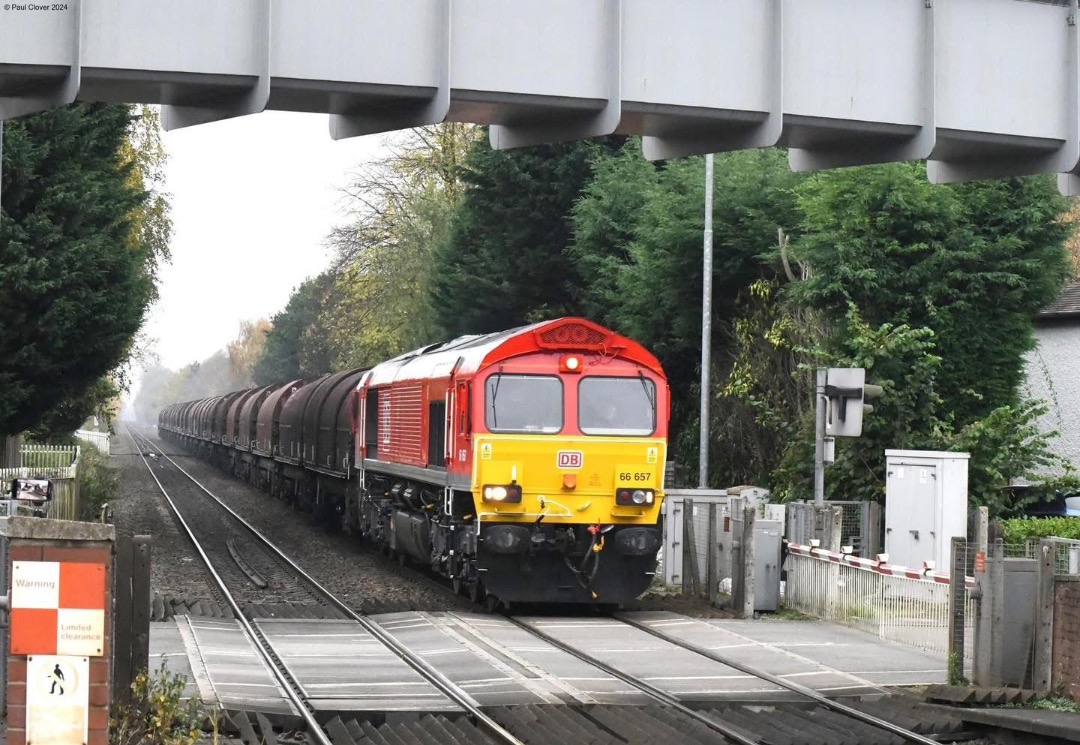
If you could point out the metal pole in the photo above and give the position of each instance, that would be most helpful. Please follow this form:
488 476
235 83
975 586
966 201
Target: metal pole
706 329
819 438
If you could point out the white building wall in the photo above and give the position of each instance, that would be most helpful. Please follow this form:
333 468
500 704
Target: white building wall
1053 374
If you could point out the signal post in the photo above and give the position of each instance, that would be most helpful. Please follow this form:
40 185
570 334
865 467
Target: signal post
60 599
841 395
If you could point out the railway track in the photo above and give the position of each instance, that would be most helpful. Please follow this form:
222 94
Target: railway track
718 721
291 687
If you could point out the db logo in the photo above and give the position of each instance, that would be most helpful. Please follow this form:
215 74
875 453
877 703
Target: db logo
571 458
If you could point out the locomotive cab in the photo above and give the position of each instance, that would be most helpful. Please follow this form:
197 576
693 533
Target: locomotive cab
568 479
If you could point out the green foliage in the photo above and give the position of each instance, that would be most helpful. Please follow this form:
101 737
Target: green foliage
1005 445
956 670
932 290
638 235
158 713
400 208
98 483
898 358
1021 529
504 262
69 413
1048 703
760 405
77 261
294 347
973 263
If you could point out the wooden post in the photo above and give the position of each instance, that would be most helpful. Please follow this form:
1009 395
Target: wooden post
749 516
831 538
834 527
710 568
735 512
982 529
1042 670
132 623
140 603
872 531
996 572
122 675
957 593
980 666
9 451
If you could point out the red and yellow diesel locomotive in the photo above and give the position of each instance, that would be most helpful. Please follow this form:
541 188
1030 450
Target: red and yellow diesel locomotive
525 465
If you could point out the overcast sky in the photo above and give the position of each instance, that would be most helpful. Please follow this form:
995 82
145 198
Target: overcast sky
252 200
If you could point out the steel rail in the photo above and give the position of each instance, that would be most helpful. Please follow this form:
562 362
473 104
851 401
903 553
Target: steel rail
648 689
789 685
454 692
262 646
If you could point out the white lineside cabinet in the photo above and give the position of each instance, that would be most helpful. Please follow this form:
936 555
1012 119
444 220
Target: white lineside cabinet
925 505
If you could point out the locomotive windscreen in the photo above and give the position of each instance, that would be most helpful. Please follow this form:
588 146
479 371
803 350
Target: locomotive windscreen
617 406
524 403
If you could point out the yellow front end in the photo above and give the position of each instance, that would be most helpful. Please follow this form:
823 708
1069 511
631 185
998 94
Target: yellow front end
570 480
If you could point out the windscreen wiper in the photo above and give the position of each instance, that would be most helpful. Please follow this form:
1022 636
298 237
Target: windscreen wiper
494 395
648 393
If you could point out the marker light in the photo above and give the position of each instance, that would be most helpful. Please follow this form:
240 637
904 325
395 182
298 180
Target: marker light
635 497
500 493
570 363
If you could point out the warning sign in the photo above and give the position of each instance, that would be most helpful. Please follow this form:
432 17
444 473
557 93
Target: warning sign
57 700
57 608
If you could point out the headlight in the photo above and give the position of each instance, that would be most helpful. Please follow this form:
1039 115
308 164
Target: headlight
635 497
502 493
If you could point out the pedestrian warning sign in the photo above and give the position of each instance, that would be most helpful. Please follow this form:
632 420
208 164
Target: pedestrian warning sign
57 700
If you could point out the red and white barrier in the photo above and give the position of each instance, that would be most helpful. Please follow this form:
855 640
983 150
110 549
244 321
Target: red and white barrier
927 573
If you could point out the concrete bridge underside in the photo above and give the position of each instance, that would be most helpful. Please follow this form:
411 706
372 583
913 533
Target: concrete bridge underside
979 88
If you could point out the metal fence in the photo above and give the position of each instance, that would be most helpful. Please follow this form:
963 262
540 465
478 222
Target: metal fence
860 525
1066 553
693 524
100 440
895 607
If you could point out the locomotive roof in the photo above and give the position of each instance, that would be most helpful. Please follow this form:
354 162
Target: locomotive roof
479 350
